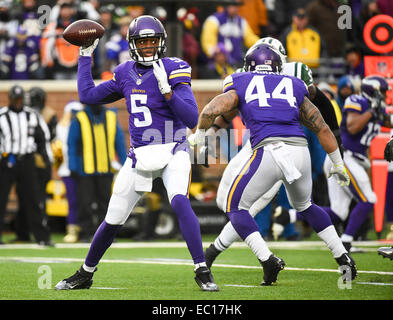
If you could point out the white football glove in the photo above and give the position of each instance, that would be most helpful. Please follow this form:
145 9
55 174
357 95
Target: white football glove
162 77
197 138
340 173
88 51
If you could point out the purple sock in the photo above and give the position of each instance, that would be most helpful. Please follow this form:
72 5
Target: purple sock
333 216
70 185
357 217
317 218
189 227
102 240
243 223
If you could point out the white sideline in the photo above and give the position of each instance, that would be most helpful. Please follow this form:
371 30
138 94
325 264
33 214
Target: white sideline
180 262
300 245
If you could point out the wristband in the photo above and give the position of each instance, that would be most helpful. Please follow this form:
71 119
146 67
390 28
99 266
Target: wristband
335 157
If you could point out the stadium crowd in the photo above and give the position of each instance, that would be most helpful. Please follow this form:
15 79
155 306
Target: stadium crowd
214 41
214 38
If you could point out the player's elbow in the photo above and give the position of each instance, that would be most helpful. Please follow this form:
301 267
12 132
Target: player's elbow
192 121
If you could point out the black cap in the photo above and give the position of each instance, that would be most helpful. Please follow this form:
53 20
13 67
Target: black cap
16 92
300 13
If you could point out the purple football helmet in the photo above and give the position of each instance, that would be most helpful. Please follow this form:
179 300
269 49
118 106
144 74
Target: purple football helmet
262 58
373 87
144 27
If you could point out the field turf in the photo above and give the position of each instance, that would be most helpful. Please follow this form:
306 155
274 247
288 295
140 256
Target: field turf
164 271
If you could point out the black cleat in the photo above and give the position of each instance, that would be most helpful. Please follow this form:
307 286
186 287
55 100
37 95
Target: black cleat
280 220
386 252
346 260
211 254
347 246
80 280
271 268
204 279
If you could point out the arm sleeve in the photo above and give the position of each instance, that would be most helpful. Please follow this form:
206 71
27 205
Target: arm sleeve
249 36
44 144
184 105
89 93
119 144
329 115
209 36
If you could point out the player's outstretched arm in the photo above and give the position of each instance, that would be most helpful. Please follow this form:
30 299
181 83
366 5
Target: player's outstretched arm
221 104
313 120
89 93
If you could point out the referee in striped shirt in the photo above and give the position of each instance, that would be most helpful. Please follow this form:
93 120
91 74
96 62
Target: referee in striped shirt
22 133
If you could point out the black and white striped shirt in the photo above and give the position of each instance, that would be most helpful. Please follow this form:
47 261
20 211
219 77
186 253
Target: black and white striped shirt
24 132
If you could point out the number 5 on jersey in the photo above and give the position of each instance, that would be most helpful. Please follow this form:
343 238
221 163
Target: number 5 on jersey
283 90
140 108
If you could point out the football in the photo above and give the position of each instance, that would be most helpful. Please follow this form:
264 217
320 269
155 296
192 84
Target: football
83 32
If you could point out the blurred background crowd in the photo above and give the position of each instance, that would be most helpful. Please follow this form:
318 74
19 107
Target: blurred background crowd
213 38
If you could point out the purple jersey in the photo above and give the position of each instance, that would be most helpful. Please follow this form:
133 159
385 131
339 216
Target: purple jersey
268 103
20 60
360 141
151 118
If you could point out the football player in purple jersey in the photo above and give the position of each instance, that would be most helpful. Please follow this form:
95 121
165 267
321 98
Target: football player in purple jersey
273 106
161 106
363 116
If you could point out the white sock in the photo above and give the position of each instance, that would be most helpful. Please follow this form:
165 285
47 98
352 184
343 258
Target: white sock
258 246
227 236
198 265
292 215
346 238
332 240
88 269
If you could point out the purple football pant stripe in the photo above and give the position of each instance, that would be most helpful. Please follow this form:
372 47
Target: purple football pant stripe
241 181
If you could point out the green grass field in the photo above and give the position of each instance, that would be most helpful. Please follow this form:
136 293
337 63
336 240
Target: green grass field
164 271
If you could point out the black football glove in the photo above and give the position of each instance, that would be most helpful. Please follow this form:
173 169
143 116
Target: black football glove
388 154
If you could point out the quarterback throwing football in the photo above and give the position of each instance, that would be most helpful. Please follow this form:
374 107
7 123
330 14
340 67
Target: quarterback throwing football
161 106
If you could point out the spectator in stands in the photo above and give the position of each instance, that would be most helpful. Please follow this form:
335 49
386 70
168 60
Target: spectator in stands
8 25
218 68
83 10
190 44
135 11
117 49
111 28
255 13
302 42
231 29
345 88
28 17
355 65
281 13
58 55
385 7
97 129
61 162
21 59
323 16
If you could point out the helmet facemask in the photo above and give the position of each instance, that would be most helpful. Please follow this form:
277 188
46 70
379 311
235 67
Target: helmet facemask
145 27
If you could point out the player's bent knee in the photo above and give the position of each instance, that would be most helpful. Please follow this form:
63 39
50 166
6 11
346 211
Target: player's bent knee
301 206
